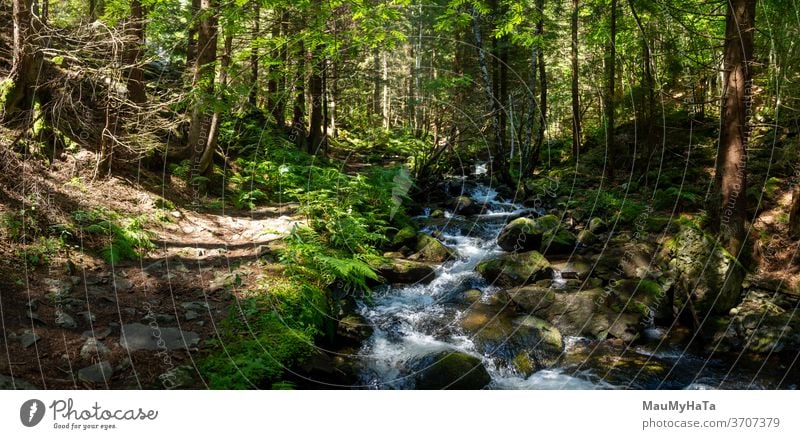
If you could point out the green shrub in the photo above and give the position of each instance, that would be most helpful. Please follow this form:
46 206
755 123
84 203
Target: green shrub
123 238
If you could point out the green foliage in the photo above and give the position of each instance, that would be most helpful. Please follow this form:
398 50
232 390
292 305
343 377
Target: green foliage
308 258
684 198
42 251
255 349
123 238
612 205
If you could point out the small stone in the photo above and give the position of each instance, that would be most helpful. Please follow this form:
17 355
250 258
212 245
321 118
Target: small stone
28 339
65 320
122 285
96 373
191 315
88 316
181 377
97 333
195 306
176 214
94 349
35 317
734 311
9 383
136 336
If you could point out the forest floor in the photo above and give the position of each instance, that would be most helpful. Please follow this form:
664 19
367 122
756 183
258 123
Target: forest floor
65 322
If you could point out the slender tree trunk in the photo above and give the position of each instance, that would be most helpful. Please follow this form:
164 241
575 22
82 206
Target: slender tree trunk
728 209
315 135
203 83
19 99
385 100
213 134
794 213
576 105
276 73
136 90
542 86
499 158
298 134
252 97
376 84
647 84
191 34
608 105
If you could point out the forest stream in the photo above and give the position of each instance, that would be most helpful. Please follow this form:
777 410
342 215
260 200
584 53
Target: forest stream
413 323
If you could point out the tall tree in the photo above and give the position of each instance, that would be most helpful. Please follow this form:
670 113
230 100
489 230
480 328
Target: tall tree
498 153
203 85
276 82
728 208
576 103
608 96
20 98
252 97
136 89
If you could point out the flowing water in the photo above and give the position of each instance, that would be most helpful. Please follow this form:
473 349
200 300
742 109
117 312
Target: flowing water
412 321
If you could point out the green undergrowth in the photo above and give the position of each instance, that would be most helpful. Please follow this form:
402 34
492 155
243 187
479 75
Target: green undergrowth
118 237
271 331
347 217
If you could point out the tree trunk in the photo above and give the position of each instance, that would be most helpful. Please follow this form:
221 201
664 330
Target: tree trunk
203 84
20 97
542 87
608 105
252 97
191 34
648 85
275 100
576 105
794 213
499 159
728 211
385 100
298 134
213 134
136 90
315 134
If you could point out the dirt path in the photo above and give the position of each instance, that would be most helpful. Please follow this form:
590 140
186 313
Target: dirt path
138 324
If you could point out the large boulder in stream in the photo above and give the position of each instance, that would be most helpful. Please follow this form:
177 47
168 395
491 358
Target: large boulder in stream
450 370
621 310
403 271
544 234
430 249
525 342
464 205
515 269
523 234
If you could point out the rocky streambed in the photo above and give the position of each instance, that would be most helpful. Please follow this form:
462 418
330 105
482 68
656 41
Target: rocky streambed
494 294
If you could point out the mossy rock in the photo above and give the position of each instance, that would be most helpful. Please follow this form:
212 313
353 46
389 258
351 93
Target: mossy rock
471 296
451 370
403 271
464 205
405 236
430 249
558 242
515 269
597 225
531 298
521 234
586 237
